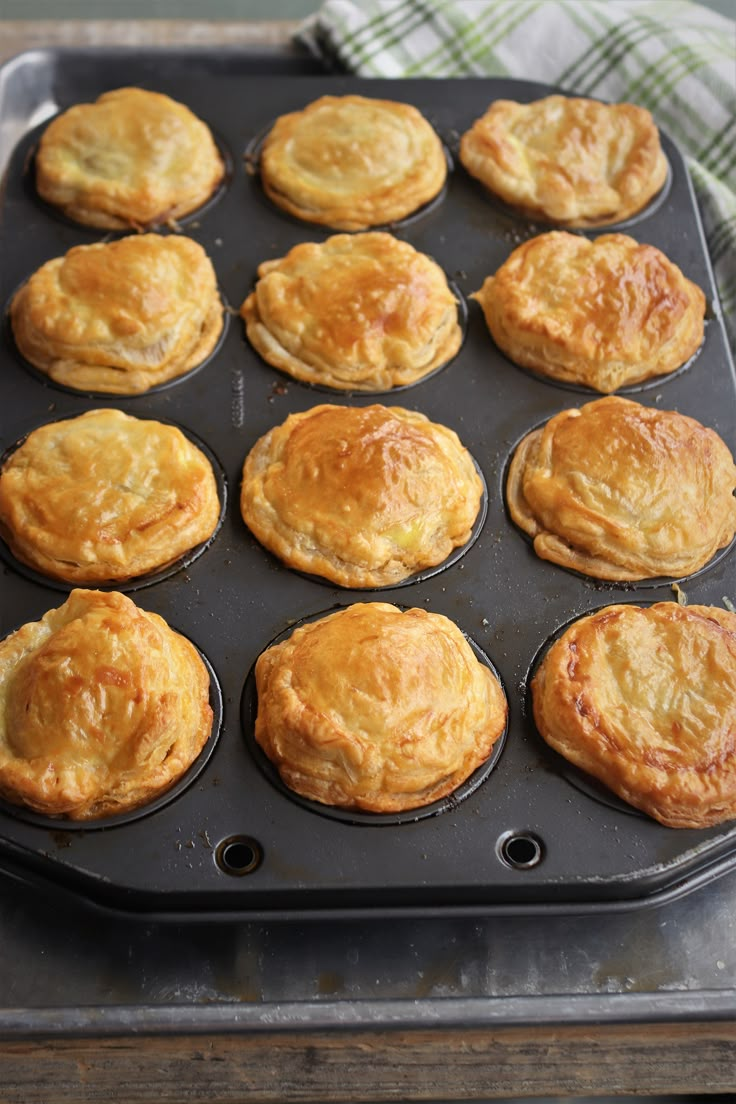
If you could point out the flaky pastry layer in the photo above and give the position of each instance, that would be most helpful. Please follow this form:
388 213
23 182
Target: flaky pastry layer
568 160
102 708
363 496
603 313
133 159
106 497
362 312
120 316
621 491
377 709
351 162
645 701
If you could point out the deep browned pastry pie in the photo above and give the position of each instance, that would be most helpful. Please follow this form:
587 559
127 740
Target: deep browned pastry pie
568 160
645 701
364 496
377 709
621 491
351 162
106 497
102 708
133 159
363 312
603 313
120 316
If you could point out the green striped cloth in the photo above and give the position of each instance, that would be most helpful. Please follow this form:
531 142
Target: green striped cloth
674 57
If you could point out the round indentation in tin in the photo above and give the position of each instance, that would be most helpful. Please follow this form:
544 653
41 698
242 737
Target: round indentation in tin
521 850
138 582
252 162
585 783
535 222
238 855
359 393
249 709
426 573
64 825
47 381
592 392
190 219
649 583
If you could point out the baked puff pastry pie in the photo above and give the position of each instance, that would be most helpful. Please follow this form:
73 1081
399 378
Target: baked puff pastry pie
603 313
351 163
567 160
376 709
363 312
621 491
363 496
644 700
133 159
106 497
102 708
120 316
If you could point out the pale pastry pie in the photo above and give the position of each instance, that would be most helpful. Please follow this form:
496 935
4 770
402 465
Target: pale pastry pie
106 497
644 699
621 491
351 162
362 496
133 159
603 313
102 708
376 709
120 316
362 312
567 160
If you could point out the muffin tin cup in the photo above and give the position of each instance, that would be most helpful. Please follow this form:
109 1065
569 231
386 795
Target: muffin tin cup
232 842
249 710
46 380
137 582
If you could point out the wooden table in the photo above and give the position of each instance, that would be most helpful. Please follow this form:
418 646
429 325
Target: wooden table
96 1007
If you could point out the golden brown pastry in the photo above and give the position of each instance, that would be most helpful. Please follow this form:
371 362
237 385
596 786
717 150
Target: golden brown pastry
352 162
377 709
120 316
604 314
362 312
566 159
106 497
621 491
645 701
102 708
131 160
363 496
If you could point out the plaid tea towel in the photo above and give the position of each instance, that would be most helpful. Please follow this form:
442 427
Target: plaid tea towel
674 57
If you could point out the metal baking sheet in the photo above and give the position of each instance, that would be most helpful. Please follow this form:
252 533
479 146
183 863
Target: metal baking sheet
232 841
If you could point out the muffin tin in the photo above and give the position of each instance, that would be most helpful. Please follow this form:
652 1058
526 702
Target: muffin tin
528 834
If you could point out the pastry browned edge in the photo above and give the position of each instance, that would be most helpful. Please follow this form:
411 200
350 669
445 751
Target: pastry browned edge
376 709
106 497
103 707
621 491
122 316
568 160
132 160
352 162
362 496
357 312
605 313
644 700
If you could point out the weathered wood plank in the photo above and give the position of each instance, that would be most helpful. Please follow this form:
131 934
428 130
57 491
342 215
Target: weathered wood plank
345 1066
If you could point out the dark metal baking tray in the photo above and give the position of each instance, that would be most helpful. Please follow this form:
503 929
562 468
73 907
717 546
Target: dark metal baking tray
233 842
